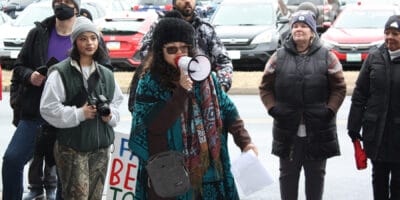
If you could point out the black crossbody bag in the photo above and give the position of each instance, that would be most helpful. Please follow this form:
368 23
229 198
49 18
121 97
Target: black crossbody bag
168 176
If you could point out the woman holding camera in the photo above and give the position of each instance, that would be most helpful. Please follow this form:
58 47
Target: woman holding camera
81 99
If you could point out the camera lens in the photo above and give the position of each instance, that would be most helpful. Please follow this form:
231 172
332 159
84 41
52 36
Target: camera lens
104 110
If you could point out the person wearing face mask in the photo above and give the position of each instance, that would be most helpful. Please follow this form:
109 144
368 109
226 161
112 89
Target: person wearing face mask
48 39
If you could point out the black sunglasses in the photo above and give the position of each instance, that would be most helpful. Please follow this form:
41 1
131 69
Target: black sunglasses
174 49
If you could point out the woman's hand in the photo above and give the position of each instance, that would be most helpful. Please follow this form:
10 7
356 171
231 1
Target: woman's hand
251 146
106 119
89 111
185 81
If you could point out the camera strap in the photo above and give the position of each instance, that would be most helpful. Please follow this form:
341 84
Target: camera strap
92 81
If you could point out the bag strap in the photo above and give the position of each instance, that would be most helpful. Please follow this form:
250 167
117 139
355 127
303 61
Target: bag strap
157 143
166 115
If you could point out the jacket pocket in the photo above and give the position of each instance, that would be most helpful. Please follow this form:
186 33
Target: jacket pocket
322 150
369 126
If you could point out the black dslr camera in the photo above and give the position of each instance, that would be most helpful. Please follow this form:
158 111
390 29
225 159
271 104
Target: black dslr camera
101 104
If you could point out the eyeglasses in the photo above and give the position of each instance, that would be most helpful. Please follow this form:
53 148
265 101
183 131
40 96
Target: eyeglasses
174 49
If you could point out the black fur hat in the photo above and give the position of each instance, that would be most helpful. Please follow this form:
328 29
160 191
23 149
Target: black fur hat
171 29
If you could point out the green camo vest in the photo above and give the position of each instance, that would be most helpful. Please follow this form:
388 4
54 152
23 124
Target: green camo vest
90 134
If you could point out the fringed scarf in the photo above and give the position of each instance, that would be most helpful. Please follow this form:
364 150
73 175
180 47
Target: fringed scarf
201 132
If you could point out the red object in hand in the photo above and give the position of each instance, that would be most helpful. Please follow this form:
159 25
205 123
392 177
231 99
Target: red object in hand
361 157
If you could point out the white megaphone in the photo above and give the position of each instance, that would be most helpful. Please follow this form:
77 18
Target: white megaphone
198 68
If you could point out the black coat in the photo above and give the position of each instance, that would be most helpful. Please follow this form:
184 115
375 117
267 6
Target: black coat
33 55
375 107
302 91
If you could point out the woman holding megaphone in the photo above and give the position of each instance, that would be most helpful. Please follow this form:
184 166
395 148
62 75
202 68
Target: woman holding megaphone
181 111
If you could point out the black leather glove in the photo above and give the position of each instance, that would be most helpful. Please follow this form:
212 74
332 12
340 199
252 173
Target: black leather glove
354 135
279 112
272 112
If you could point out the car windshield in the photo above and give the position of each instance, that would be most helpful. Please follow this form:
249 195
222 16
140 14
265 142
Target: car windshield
119 6
363 19
122 26
21 2
244 15
32 14
298 2
96 10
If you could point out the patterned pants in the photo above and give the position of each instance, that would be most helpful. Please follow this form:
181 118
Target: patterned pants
82 174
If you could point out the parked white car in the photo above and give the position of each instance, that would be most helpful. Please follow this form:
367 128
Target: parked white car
13 35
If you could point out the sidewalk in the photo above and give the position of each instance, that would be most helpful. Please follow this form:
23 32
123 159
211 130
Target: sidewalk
244 83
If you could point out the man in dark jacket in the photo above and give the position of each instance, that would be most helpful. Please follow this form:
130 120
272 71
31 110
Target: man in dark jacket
50 38
375 109
303 88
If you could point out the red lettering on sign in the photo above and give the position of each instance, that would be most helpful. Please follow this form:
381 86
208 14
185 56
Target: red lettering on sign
128 177
116 168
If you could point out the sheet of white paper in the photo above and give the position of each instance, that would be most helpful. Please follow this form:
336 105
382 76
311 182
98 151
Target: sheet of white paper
250 175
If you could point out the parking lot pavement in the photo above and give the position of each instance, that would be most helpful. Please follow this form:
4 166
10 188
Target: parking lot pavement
343 181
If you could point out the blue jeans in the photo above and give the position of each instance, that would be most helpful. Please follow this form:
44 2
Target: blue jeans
18 153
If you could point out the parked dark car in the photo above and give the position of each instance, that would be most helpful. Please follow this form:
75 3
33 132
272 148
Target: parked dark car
328 10
248 31
209 6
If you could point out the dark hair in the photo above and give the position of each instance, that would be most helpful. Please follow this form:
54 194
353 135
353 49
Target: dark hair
99 56
155 63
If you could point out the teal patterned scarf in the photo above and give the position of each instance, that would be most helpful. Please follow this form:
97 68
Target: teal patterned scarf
201 131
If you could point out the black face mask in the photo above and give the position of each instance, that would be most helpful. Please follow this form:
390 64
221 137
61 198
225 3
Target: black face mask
63 12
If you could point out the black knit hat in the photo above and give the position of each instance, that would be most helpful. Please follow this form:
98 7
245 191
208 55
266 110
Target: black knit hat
171 29
393 22
306 17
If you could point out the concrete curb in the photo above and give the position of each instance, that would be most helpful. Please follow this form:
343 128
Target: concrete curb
232 91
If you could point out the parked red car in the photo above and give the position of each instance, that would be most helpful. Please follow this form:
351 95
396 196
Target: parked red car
122 34
356 31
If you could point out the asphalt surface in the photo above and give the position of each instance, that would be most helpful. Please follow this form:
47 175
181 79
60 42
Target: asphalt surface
342 182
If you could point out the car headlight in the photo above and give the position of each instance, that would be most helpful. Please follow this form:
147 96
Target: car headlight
264 37
329 44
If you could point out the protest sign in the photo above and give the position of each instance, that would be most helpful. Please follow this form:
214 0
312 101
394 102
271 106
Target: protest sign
123 170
